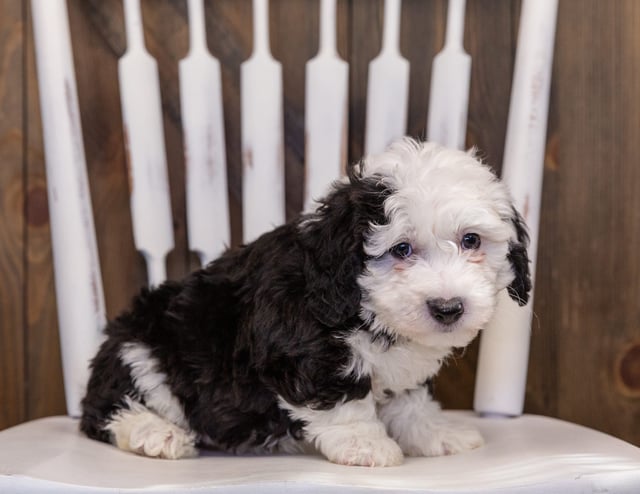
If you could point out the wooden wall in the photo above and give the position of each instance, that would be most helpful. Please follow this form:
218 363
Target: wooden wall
585 354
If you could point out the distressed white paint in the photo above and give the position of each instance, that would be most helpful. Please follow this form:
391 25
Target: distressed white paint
388 86
450 76
146 156
504 349
205 154
80 300
326 100
262 130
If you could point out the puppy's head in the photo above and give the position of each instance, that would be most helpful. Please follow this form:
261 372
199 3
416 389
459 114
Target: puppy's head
446 240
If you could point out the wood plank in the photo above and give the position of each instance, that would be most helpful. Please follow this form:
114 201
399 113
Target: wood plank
422 36
492 52
364 45
12 221
588 308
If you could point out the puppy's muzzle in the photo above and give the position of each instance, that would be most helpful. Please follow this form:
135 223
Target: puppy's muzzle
446 311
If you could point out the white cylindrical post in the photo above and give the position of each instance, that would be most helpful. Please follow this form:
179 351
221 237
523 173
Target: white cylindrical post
504 348
80 300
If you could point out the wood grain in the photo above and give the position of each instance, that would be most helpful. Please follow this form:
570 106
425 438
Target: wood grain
12 220
585 363
588 288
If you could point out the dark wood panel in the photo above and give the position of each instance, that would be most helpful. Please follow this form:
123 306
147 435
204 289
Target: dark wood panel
422 37
365 43
12 341
583 365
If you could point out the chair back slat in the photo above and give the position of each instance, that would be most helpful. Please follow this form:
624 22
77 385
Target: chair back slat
504 349
262 128
450 79
146 155
326 107
78 281
204 141
387 86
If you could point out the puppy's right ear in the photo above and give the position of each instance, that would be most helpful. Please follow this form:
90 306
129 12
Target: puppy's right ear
333 238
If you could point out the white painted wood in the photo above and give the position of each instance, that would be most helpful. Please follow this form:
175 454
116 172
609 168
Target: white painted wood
525 455
146 155
78 282
388 86
326 106
262 130
450 77
504 349
205 154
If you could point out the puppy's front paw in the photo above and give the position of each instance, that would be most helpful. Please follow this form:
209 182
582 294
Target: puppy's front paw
366 452
445 439
168 441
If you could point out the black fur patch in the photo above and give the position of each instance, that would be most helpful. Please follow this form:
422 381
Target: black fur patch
262 321
521 285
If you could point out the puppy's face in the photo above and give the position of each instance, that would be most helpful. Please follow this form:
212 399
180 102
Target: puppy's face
451 242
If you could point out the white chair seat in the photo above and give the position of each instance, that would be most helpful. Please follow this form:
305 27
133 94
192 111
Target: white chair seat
529 454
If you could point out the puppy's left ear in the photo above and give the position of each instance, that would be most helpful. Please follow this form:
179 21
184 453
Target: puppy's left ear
521 285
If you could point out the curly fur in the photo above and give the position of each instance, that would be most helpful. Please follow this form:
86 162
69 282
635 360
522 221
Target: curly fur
316 329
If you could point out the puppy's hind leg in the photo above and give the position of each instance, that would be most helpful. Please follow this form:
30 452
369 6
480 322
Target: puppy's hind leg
137 429
349 433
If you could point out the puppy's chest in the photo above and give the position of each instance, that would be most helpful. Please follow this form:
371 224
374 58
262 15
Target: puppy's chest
397 368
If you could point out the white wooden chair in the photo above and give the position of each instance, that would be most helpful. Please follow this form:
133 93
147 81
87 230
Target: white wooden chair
523 453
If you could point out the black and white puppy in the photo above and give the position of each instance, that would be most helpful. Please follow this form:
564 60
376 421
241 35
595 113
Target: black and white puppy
325 331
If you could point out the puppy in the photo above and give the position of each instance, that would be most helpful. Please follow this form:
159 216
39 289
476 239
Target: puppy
325 331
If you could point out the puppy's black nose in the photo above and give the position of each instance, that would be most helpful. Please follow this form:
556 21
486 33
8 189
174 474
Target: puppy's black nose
446 311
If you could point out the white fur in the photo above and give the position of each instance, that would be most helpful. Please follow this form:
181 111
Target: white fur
348 434
137 429
151 383
405 365
439 196
414 420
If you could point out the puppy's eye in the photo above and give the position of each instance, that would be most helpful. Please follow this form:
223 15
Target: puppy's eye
402 250
470 241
